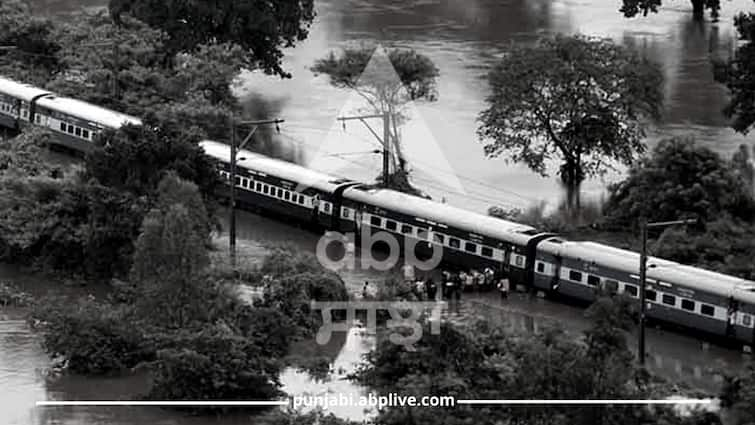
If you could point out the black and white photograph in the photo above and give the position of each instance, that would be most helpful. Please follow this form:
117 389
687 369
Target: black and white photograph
377 212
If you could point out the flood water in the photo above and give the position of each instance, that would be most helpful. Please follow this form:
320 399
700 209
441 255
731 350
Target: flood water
23 364
463 38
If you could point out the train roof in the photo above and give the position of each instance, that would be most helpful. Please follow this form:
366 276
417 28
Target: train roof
664 270
87 111
21 91
443 213
283 169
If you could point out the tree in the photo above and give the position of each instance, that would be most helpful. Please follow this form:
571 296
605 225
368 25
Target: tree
261 28
680 179
582 100
631 8
387 83
738 75
20 156
33 57
738 395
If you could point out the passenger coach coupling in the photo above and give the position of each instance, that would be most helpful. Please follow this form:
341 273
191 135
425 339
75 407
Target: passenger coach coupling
690 297
694 298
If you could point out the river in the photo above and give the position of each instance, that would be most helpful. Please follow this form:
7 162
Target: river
463 38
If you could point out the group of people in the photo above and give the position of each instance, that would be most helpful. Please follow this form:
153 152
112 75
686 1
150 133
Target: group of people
454 283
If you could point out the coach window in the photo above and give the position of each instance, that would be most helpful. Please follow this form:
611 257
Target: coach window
62 127
376 221
437 238
301 199
650 295
344 212
631 290
575 276
669 299
454 243
406 229
540 267
286 195
487 252
78 131
593 280
37 118
688 305
70 127
238 181
391 225
707 310
470 247
85 134
746 320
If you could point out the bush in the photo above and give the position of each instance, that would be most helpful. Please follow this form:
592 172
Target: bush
12 296
91 337
213 364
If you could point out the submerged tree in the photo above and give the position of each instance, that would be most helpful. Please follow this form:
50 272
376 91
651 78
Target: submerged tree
631 8
583 101
388 81
738 75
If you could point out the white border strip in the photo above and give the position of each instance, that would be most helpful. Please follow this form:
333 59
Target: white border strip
161 403
589 402
690 401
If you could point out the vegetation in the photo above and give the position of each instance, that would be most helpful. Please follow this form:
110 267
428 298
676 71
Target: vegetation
680 180
583 101
738 75
631 8
262 29
388 81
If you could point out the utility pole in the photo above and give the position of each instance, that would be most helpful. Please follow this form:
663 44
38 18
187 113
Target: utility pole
385 140
644 225
234 152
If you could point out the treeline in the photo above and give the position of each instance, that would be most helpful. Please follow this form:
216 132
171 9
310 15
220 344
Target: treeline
679 179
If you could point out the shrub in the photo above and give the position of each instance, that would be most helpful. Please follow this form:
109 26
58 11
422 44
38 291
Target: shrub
213 364
91 337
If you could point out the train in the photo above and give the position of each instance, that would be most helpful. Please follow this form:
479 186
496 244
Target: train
690 297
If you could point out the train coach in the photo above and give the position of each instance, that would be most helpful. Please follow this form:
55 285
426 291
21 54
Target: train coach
694 298
72 123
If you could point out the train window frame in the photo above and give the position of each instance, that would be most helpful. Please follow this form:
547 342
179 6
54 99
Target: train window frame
454 243
518 260
665 299
326 207
70 127
486 251
63 126
391 225
470 247
344 212
634 292
302 200
258 187
266 189
651 295
573 273
85 133
77 131
747 320
540 267
376 221
704 310
407 229
594 278
438 238
286 195
688 305
238 181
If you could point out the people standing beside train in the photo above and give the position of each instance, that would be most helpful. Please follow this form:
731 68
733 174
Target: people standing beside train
489 278
431 289
456 291
408 271
419 289
503 288
448 285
